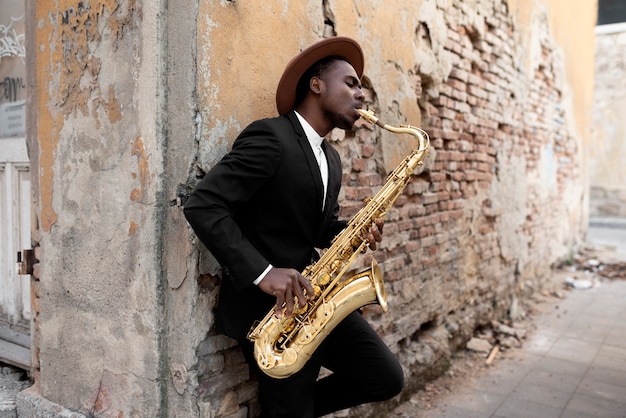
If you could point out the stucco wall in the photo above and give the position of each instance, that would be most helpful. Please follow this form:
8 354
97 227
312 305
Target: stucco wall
96 138
138 99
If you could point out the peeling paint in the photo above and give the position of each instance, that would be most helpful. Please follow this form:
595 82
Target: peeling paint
142 163
225 81
67 37
115 113
49 122
133 228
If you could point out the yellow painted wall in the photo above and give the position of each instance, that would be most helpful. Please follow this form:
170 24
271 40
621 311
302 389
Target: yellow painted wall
243 49
572 25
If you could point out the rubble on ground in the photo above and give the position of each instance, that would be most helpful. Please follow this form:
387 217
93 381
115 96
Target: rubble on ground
588 262
12 381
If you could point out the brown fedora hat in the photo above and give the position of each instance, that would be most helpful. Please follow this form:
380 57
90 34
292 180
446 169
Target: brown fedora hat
336 45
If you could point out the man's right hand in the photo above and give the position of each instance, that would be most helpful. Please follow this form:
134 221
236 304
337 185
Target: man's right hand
285 284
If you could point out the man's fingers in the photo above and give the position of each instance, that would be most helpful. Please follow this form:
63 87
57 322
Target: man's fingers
307 286
372 241
377 233
288 302
286 285
280 301
300 295
380 223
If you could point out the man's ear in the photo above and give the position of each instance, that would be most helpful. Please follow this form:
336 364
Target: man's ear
314 85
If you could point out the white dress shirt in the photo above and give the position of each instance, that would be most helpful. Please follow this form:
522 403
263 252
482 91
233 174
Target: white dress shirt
315 140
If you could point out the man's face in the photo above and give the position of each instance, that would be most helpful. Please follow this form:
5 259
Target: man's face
340 91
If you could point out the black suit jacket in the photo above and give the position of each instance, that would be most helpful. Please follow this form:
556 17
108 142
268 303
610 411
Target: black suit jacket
261 204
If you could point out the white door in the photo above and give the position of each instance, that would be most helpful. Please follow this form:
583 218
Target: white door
15 213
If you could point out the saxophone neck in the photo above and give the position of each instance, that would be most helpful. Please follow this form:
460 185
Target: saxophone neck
417 133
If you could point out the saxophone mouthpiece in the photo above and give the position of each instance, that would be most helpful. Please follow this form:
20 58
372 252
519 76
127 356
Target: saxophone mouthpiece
368 115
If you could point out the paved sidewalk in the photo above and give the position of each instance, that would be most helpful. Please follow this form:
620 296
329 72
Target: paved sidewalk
609 233
572 366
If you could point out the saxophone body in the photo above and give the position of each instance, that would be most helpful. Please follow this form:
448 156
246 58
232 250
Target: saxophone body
282 346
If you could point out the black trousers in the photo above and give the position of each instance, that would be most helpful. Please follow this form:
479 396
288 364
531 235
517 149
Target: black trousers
363 370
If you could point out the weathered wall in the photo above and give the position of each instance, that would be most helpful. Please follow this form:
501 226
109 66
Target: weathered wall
133 113
608 152
97 139
502 197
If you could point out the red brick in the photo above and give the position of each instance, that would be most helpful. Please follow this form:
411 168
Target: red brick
448 114
369 179
368 150
459 74
426 231
456 84
450 135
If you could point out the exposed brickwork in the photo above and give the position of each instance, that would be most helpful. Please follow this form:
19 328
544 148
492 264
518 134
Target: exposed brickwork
446 271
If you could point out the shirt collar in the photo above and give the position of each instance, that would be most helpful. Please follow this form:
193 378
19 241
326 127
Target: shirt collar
314 138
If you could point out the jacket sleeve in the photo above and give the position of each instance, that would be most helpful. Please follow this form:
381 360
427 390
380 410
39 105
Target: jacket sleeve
232 182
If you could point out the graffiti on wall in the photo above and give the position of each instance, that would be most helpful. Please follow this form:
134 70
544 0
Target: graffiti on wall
12 83
12 43
10 88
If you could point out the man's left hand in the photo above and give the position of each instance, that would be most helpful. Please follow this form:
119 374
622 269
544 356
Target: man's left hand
376 233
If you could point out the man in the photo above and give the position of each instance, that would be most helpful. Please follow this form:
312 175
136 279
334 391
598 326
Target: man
262 211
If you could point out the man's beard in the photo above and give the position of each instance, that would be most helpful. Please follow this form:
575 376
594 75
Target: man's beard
340 120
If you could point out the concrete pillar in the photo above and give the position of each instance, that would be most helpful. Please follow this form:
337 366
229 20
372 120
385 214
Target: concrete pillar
98 138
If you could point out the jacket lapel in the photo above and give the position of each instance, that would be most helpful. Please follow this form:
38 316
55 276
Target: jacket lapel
314 169
334 178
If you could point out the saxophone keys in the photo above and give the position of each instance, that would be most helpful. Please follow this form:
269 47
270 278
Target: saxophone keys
317 291
323 278
297 310
288 324
323 314
264 361
306 334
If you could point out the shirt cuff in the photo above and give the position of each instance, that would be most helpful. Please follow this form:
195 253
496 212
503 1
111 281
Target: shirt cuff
262 275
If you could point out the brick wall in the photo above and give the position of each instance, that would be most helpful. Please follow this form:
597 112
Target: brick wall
478 228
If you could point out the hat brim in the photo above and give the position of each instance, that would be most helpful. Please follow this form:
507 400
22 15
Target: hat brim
337 45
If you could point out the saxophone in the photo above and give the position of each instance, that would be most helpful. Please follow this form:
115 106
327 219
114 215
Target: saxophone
283 345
